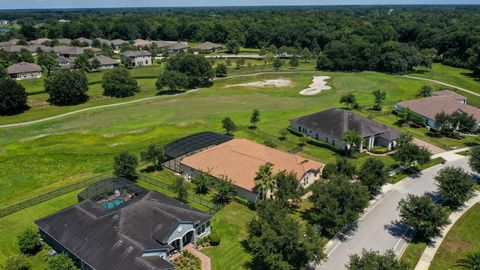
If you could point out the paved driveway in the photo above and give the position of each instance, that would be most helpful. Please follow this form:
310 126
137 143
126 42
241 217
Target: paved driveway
378 229
433 148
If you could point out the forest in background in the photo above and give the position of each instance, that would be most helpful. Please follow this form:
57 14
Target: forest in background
390 39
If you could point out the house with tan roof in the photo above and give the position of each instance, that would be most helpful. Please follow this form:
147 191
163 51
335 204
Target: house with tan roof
141 43
240 160
442 101
208 47
24 70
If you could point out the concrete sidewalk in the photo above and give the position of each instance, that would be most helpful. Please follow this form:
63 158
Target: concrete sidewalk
431 250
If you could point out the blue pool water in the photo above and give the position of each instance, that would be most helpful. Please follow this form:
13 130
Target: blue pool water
113 203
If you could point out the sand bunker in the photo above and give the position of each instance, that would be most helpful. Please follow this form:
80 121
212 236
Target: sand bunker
265 83
318 85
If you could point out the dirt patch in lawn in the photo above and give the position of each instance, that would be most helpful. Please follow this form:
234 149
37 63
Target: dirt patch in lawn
266 83
318 85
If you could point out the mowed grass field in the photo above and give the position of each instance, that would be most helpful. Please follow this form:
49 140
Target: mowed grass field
42 156
462 238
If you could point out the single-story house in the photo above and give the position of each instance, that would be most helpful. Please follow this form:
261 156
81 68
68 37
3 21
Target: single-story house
13 48
107 62
40 41
208 47
119 225
10 42
178 47
117 42
141 43
33 49
442 101
24 70
85 42
139 58
240 160
64 63
329 125
71 52
162 43
104 41
64 41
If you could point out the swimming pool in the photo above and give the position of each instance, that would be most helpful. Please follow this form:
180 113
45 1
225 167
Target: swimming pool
112 204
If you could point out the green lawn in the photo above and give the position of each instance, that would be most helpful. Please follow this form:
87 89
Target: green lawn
413 253
13 225
47 155
463 237
231 223
451 75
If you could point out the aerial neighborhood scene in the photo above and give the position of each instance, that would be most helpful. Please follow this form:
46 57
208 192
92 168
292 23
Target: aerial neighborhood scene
218 135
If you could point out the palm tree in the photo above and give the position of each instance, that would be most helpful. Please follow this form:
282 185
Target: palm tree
264 181
471 261
353 139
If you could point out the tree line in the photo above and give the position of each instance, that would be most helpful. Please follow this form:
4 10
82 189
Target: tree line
347 38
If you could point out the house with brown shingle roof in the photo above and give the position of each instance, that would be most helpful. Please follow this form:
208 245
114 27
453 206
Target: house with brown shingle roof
84 41
39 41
208 47
24 70
441 101
240 160
64 41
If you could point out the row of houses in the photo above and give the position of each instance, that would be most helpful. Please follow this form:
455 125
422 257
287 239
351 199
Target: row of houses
170 46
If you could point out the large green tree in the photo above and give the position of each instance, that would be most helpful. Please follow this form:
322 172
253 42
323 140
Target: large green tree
228 125
67 87
288 188
278 242
341 166
181 189
154 154
423 215
353 140
173 80
224 191
125 165
373 175
119 83
379 98
198 69
408 153
455 186
349 100
13 97
336 204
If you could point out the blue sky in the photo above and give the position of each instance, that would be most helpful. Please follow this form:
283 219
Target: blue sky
35 4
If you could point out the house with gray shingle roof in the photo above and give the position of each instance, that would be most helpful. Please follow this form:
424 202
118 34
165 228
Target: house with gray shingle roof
178 47
24 70
64 41
119 225
328 126
39 41
118 42
84 41
107 62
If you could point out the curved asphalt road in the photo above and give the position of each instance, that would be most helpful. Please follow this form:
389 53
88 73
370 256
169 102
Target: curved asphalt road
378 229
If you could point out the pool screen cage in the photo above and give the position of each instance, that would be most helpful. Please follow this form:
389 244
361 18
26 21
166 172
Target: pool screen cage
177 149
109 187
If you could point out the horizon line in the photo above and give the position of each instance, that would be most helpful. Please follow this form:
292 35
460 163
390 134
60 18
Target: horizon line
242 6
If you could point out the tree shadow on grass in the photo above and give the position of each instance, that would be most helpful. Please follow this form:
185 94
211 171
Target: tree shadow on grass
169 92
472 75
150 169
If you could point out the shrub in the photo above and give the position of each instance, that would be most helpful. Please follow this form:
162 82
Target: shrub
17 262
61 262
270 143
125 165
215 238
29 241
379 150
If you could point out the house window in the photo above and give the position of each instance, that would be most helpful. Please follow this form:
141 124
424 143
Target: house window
316 136
326 139
333 142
